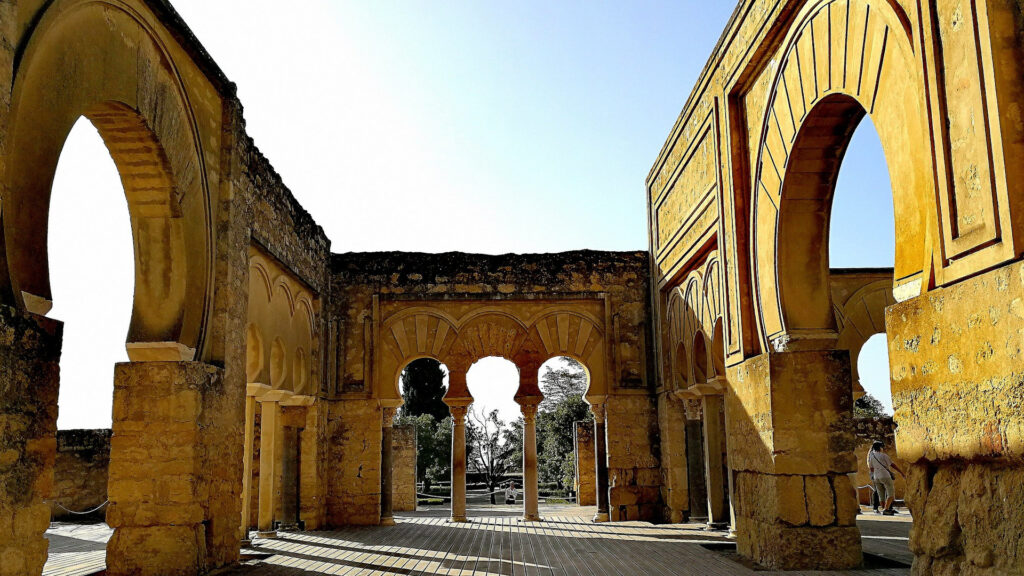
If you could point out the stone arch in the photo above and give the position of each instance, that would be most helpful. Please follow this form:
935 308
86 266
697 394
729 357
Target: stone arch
574 335
255 358
859 316
695 307
278 364
411 335
113 68
841 60
700 360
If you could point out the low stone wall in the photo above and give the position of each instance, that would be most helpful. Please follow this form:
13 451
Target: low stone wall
80 472
403 476
586 472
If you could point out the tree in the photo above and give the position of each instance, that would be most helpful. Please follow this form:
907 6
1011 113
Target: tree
560 383
423 389
492 454
557 458
867 406
433 448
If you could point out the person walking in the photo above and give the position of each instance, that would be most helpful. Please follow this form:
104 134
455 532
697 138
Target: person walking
881 467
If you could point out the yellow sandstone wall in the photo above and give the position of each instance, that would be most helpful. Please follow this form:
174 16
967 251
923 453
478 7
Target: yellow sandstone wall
404 472
80 472
586 473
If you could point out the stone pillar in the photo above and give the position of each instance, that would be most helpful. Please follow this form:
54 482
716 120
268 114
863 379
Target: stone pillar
791 449
29 380
530 497
387 516
160 469
270 413
601 445
458 463
252 391
586 474
718 514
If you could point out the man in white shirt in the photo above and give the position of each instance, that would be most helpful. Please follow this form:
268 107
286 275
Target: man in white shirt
881 467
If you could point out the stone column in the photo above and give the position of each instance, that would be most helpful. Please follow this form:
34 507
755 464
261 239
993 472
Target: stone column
458 463
270 404
791 453
530 499
387 517
252 391
718 513
160 468
601 445
29 378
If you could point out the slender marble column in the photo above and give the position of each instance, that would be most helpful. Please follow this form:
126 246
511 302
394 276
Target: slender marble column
387 517
458 463
718 515
601 457
269 423
252 391
530 501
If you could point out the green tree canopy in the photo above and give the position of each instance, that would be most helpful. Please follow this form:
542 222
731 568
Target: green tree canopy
423 389
867 406
556 442
561 382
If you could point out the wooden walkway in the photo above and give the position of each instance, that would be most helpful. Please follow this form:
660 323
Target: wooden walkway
564 545
76 549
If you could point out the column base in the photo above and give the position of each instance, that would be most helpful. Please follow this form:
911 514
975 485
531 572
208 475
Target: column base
246 542
266 534
718 526
601 517
531 518
458 519
387 521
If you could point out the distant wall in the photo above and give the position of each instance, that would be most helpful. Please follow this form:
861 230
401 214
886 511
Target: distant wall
403 476
586 481
80 472
868 430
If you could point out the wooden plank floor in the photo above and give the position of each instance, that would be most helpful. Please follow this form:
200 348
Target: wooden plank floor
566 543
76 549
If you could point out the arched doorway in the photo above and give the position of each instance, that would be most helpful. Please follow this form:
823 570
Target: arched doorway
494 436
808 127
107 63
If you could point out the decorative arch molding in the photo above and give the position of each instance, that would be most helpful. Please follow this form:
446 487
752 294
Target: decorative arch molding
282 310
694 307
459 332
841 60
114 68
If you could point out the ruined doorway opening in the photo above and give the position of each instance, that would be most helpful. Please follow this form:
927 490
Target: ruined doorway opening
492 435
566 439
91 270
422 439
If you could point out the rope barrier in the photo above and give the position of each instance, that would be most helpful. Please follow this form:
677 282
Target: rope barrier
96 509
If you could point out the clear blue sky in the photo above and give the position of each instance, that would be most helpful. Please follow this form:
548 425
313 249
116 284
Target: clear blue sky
458 125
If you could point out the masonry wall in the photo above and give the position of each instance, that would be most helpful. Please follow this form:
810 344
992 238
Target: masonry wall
80 472
403 476
354 419
586 473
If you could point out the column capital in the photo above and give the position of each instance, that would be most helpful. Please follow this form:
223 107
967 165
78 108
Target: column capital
256 389
274 396
599 412
388 416
529 412
459 413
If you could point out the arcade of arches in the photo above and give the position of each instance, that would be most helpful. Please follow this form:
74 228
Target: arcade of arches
263 368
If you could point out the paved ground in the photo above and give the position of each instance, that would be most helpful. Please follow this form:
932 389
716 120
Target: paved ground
423 543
